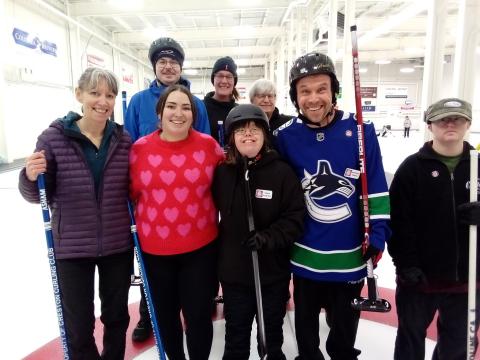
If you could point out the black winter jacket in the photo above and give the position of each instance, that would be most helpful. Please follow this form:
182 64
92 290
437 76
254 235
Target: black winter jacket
278 210
424 197
277 120
217 110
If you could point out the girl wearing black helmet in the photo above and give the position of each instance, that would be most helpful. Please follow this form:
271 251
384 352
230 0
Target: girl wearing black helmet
278 211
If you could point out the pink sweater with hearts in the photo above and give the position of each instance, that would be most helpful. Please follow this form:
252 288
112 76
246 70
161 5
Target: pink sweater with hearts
170 184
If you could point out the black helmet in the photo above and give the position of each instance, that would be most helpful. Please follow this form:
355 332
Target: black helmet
168 47
244 112
312 64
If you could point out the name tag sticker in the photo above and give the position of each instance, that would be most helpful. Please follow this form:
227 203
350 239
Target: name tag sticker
263 194
352 173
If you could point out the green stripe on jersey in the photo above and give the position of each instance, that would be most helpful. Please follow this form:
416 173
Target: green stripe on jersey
379 205
325 261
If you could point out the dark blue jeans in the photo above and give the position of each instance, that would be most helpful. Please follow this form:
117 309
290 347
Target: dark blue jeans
77 282
240 308
335 297
416 311
184 282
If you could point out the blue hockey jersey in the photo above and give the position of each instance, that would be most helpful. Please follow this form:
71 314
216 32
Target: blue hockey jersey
326 160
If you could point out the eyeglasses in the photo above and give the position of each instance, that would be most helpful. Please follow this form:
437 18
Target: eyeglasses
164 62
226 77
242 131
454 120
268 96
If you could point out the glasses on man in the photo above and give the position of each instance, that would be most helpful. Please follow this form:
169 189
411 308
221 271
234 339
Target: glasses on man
263 96
458 120
243 131
164 62
226 77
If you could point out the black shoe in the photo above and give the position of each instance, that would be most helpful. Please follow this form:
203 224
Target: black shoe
142 331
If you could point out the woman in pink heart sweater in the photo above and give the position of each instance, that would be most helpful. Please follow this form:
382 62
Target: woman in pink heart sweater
171 173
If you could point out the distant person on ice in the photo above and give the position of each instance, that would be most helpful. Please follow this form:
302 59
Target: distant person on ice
407 123
278 212
328 263
85 162
430 216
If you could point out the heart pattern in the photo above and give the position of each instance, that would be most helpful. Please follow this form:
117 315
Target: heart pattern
199 156
162 231
146 177
159 195
167 176
180 194
171 214
178 160
184 229
154 160
192 175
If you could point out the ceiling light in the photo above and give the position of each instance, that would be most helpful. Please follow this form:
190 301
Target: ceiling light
362 70
241 71
418 66
154 33
382 62
478 50
407 70
244 31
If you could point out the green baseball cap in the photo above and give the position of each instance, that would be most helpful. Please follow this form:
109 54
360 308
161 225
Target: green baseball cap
448 107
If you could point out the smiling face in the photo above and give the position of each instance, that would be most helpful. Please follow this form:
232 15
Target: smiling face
249 139
167 71
266 101
314 98
97 103
177 117
223 81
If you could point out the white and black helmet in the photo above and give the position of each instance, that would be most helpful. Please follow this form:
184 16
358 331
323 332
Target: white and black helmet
243 113
313 63
165 47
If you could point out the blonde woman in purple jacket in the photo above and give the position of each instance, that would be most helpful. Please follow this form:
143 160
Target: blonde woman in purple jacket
85 162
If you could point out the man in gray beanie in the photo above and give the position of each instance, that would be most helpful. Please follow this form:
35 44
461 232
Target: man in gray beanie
430 217
223 99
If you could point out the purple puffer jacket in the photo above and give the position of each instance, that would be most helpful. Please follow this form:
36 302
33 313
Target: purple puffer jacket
82 225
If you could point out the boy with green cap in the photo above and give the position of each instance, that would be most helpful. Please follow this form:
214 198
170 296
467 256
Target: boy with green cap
430 215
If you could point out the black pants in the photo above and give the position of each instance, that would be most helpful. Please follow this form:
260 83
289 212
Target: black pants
240 308
416 311
184 282
77 280
310 297
406 132
143 308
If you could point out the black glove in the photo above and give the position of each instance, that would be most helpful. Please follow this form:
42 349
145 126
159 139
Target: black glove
372 253
469 213
412 276
255 242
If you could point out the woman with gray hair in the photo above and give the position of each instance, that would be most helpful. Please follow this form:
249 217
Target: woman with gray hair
84 159
264 94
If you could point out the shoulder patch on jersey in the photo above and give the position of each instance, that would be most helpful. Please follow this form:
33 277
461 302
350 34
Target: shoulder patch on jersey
284 126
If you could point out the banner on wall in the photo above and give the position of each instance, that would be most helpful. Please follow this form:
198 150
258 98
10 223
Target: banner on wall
127 76
369 98
396 92
24 38
94 60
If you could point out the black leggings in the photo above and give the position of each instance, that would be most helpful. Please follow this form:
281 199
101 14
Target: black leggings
184 282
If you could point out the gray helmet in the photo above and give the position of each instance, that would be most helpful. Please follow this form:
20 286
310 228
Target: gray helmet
313 63
243 113
168 47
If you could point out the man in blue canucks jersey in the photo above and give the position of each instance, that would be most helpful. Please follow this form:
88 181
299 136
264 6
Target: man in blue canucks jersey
329 262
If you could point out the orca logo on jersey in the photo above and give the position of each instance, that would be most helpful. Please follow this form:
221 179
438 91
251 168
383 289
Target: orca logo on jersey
323 184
